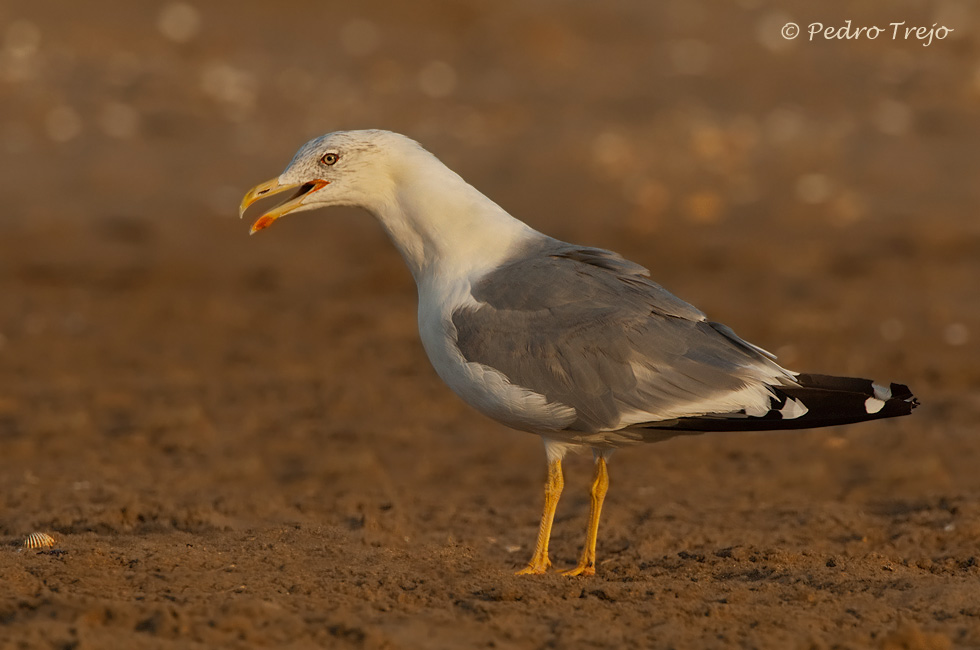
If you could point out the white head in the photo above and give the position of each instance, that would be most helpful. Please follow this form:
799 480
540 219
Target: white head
342 168
434 217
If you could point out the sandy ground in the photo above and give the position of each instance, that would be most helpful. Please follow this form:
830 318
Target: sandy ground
238 442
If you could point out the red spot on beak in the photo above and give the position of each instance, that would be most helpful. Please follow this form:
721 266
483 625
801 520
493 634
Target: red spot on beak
262 222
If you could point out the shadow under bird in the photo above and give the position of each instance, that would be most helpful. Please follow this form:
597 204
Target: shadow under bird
573 343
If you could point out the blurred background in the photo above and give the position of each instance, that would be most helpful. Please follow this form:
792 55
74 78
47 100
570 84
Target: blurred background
628 115
741 166
162 371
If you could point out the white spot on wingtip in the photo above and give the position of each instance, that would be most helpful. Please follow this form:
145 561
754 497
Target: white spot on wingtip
873 405
882 392
793 408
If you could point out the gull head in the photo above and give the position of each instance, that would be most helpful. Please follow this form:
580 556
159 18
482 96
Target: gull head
341 168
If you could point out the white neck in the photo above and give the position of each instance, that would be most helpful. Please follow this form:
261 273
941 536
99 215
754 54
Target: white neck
442 225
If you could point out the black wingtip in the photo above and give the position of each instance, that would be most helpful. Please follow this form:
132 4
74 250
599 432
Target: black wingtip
824 400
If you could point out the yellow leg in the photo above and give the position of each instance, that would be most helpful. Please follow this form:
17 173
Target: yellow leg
552 492
600 485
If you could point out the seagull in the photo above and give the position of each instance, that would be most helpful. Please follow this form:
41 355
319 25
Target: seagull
573 343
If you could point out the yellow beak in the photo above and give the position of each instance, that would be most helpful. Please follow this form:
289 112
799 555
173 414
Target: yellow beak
269 188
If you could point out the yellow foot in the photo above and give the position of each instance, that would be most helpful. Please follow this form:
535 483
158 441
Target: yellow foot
534 569
580 570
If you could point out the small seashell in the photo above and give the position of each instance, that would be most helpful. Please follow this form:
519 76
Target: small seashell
39 540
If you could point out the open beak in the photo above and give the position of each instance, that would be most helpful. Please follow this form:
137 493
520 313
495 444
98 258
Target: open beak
269 188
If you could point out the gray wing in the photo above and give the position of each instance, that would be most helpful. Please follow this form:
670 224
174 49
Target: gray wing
589 329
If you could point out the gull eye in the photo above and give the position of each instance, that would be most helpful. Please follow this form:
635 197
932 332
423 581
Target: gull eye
329 158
